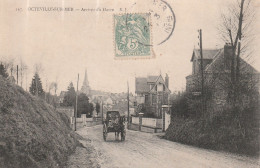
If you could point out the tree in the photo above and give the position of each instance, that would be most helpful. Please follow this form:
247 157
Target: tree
70 96
236 30
3 71
97 108
36 86
9 65
90 110
84 107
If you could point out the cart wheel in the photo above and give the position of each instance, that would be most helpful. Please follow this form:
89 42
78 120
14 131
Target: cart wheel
123 134
105 132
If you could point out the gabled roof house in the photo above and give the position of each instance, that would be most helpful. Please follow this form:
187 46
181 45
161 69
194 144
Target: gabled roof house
151 93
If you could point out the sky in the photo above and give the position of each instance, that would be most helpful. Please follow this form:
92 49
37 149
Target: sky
67 43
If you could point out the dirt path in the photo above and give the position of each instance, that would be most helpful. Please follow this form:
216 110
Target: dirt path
147 150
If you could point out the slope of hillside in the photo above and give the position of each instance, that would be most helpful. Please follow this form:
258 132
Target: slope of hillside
32 133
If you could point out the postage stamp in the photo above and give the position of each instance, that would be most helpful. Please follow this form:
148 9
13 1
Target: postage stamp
132 35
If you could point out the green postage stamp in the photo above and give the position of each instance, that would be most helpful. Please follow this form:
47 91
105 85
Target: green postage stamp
132 33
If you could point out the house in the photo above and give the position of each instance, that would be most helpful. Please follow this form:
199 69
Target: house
122 108
217 75
193 80
61 97
151 93
122 97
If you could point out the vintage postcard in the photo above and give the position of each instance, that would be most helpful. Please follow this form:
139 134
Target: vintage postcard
129 84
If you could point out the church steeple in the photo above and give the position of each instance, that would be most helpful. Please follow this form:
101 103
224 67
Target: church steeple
85 86
86 79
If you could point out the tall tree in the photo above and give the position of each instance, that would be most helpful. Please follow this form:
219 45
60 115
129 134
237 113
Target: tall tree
236 29
3 71
84 106
36 86
97 108
90 110
83 103
70 96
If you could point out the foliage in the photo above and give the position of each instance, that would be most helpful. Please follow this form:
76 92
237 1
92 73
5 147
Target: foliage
84 107
52 99
36 86
70 96
3 71
97 108
236 30
230 129
180 106
222 126
147 110
90 110
222 132
29 129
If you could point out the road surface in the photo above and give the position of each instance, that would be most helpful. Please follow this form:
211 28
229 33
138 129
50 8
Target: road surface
146 150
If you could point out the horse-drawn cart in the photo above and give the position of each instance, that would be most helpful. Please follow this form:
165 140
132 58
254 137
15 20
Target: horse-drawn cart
114 123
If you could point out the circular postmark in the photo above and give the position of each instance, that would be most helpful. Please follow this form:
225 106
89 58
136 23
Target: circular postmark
163 21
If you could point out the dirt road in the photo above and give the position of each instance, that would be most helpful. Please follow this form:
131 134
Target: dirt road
145 150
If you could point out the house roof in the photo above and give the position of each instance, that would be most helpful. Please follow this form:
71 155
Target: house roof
207 53
217 64
152 79
121 107
141 85
159 80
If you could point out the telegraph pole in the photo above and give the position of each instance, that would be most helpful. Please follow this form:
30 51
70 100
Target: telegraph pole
101 104
76 108
128 112
201 69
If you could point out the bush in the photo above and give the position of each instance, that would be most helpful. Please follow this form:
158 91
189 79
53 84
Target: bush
219 133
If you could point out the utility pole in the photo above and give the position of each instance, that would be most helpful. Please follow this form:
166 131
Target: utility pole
76 108
201 69
128 112
101 104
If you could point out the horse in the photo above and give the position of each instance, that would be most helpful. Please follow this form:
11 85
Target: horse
117 127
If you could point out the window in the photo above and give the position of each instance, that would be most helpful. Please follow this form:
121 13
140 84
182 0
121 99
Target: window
154 98
146 99
160 87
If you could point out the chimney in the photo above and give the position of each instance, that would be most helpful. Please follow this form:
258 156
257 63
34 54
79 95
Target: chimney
167 80
227 56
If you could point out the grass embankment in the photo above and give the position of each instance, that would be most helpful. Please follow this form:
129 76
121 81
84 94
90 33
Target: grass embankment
218 134
32 133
